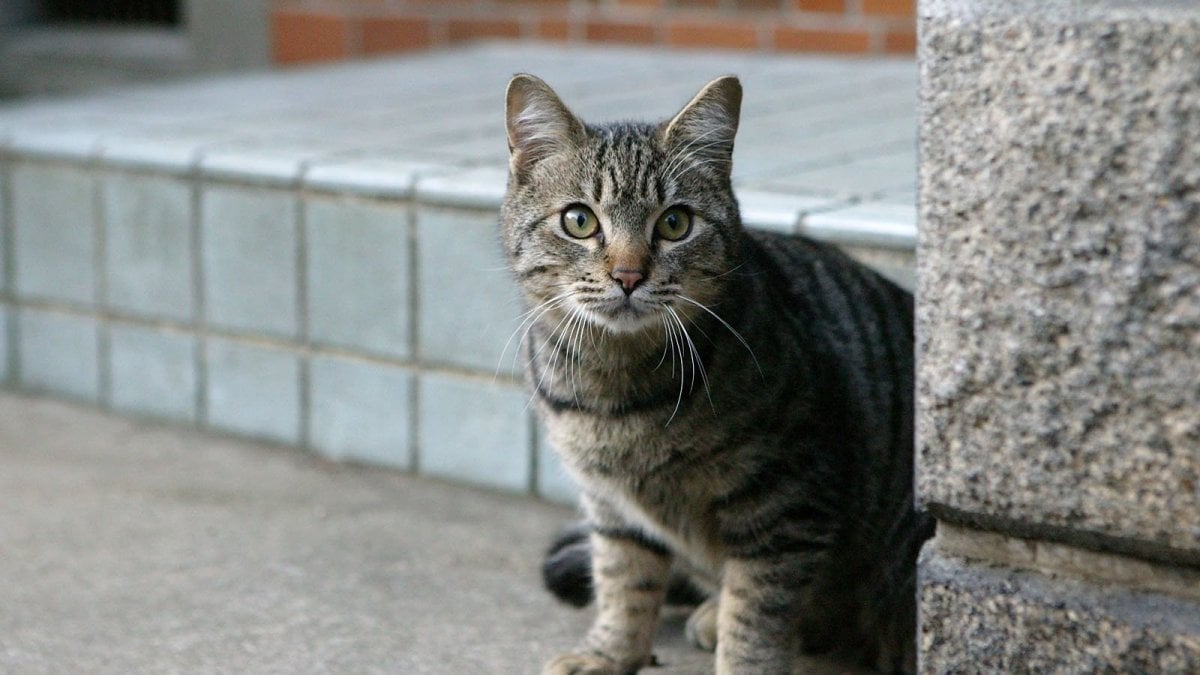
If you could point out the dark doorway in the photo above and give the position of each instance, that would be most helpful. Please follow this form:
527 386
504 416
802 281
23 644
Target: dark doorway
125 12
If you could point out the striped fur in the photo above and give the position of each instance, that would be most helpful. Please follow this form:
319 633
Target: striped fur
744 412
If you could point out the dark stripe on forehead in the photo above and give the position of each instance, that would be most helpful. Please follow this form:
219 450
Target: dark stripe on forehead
597 176
639 167
597 187
611 172
652 187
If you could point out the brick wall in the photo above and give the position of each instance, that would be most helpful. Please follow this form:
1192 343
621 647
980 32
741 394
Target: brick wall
325 30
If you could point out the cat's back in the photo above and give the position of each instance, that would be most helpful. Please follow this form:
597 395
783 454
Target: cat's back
832 327
831 298
821 277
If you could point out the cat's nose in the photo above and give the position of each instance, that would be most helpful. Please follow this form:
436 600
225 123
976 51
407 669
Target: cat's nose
628 278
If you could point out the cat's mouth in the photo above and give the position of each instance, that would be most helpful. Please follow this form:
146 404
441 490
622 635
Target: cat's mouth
625 314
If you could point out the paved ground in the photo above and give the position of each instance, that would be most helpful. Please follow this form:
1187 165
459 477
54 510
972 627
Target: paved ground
132 547
135 547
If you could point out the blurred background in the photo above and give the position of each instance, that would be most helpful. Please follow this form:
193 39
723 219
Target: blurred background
49 46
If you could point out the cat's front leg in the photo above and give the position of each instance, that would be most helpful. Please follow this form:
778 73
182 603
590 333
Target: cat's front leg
630 576
758 615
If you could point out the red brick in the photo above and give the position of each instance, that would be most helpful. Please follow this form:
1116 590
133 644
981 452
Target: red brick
626 32
300 37
482 29
729 34
834 6
808 40
900 42
554 29
385 35
890 7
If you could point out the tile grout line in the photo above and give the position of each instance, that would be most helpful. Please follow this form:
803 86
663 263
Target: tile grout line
12 324
100 279
414 394
304 373
262 341
199 326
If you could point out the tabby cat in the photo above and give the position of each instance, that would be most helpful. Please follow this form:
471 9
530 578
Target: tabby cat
732 402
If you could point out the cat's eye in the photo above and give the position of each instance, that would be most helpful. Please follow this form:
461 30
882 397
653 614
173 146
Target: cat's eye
579 221
674 224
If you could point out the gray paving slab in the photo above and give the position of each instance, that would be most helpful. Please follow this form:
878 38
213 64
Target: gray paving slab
135 547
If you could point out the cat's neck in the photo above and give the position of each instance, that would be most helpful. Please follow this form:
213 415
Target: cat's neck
596 346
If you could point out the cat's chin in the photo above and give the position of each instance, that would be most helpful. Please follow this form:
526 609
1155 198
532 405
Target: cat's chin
625 320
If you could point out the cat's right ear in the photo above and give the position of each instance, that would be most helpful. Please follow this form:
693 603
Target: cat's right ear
538 123
706 126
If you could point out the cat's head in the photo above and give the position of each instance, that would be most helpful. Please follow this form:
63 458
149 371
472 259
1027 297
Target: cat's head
624 223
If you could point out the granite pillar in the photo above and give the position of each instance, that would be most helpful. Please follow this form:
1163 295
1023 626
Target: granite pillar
1058 331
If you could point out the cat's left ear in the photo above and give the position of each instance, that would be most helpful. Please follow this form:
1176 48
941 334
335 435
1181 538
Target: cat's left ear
707 124
538 123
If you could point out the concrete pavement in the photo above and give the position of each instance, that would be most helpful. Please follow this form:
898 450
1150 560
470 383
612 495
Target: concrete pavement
136 547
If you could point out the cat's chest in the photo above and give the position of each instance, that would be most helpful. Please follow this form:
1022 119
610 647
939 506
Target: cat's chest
628 449
662 478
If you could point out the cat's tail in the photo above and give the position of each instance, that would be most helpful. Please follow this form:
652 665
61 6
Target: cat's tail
567 567
567 571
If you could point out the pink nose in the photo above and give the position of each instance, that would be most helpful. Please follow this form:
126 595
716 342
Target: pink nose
629 279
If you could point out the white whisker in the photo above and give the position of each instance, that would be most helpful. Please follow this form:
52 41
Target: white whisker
696 360
675 339
575 346
528 319
727 326
554 358
723 274
666 342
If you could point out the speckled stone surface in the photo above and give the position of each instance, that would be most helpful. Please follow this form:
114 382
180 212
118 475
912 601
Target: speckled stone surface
977 618
1059 279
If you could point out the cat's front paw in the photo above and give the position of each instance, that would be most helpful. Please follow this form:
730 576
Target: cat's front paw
589 663
701 628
